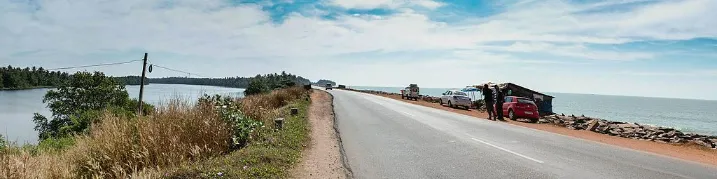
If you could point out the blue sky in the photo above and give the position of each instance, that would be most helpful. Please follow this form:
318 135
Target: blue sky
661 48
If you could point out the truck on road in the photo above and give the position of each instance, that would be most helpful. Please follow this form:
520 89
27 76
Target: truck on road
411 92
329 86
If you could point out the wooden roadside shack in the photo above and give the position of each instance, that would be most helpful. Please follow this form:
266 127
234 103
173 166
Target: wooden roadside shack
544 101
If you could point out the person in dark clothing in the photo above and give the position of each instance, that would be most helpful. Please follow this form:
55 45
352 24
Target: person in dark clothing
488 99
499 99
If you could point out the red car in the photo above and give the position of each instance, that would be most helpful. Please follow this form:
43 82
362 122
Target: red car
520 107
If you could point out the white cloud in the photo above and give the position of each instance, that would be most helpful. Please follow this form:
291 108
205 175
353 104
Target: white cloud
392 4
430 4
578 51
660 20
217 30
230 40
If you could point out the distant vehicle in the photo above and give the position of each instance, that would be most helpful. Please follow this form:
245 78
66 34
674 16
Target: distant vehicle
455 98
329 86
520 107
411 92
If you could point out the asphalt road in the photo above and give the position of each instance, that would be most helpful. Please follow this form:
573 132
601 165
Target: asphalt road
386 138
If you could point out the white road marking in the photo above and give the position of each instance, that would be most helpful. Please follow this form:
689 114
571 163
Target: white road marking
509 151
409 114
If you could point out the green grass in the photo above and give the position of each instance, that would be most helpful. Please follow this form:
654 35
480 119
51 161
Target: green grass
270 155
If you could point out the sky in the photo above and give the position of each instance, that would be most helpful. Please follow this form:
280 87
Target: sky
657 48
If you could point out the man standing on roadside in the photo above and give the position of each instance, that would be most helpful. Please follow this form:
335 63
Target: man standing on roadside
499 99
488 100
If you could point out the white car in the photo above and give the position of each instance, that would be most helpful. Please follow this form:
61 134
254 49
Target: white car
455 98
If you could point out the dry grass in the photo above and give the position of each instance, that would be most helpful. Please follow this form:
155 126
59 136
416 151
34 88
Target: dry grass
263 106
177 134
15 163
119 147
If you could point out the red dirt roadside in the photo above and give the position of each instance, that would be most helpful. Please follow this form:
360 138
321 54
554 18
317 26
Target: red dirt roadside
321 158
685 152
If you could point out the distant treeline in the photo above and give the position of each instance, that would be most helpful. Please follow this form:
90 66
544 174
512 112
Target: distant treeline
34 77
24 78
131 80
271 80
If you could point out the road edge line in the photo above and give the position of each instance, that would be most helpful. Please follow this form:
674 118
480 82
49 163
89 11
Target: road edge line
509 151
344 159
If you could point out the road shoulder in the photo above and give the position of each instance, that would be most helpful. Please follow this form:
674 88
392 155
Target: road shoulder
322 157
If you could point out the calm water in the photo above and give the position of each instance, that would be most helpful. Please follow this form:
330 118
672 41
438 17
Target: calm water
699 116
17 107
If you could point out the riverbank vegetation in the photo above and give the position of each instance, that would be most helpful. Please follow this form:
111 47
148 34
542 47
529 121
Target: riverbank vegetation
212 137
30 77
80 102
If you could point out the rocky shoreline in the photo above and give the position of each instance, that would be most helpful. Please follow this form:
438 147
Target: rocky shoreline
613 128
630 130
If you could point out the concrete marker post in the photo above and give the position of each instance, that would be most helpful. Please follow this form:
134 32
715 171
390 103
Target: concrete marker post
279 123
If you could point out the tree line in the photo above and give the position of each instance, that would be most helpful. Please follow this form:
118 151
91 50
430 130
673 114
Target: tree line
272 80
30 77
35 77
131 80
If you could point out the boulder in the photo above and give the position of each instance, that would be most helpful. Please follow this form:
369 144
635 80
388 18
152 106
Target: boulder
543 120
678 140
614 132
705 143
671 133
617 122
627 126
664 129
664 139
628 130
649 127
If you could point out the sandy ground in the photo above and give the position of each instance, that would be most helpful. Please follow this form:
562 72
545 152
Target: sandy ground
685 152
321 158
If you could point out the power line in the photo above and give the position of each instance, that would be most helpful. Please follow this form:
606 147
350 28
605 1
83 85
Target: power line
175 70
96 65
120 63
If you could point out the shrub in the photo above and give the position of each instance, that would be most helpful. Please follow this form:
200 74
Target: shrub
256 86
228 109
77 104
55 144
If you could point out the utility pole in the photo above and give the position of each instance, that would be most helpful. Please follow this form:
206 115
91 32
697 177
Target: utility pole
141 85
